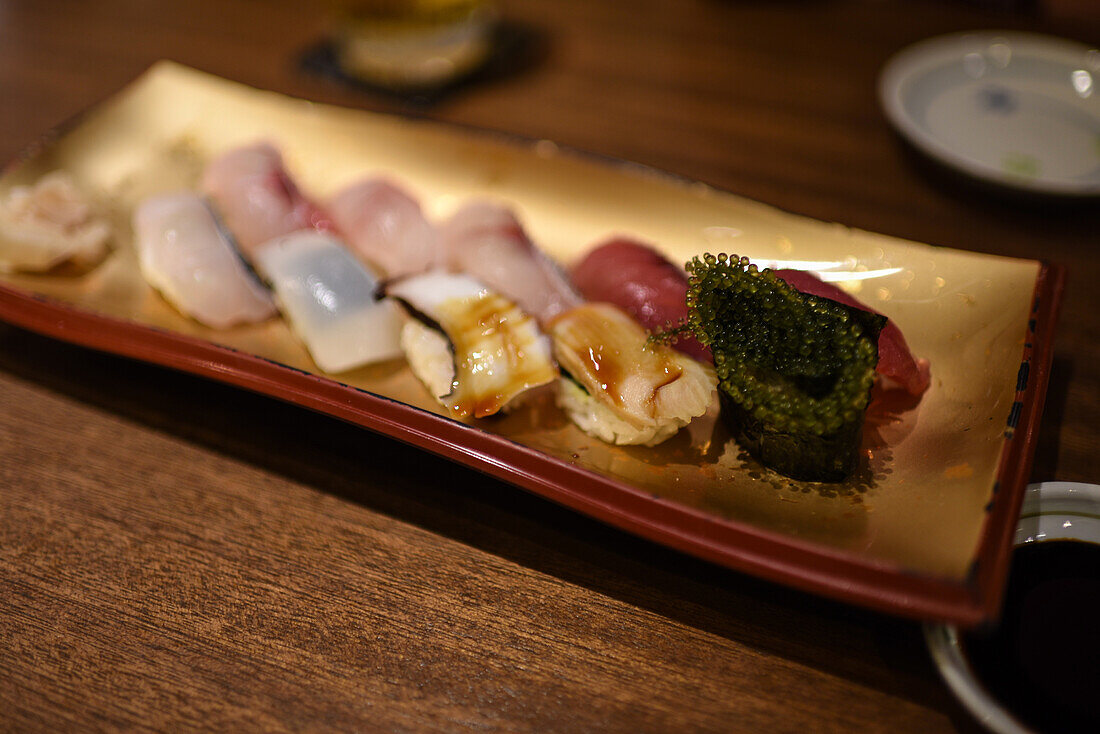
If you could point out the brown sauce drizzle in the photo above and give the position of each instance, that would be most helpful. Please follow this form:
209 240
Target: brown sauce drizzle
610 350
607 369
489 332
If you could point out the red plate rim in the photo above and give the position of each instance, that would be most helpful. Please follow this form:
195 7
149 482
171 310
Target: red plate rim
808 566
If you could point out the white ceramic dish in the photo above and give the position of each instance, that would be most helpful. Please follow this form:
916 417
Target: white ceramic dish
1016 109
1051 511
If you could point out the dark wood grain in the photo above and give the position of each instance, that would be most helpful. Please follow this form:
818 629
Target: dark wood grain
176 554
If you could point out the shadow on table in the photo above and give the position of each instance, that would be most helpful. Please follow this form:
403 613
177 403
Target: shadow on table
1044 468
1018 204
492 516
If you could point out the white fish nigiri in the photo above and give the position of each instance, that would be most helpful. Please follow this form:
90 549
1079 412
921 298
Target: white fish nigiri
475 350
49 223
185 255
620 387
385 227
256 197
329 298
486 241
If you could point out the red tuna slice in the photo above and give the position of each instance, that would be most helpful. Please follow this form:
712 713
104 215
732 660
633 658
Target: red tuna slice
642 282
895 361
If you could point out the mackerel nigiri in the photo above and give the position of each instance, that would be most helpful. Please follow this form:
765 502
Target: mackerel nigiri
385 227
257 198
487 242
183 253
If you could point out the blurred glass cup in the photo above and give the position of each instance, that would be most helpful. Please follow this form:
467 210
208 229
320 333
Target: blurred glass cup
411 44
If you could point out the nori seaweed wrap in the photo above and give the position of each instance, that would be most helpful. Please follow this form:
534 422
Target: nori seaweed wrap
794 370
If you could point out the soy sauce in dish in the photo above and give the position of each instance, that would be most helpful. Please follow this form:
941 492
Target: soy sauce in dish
1042 661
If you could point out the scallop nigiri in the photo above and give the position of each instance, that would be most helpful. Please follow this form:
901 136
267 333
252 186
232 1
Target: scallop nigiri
487 242
50 223
385 227
257 198
474 350
641 281
184 254
328 297
619 387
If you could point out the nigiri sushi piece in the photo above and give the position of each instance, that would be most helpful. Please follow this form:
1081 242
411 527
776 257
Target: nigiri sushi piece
897 365
328 296
385 227
619 387
50 223
184 254
641 281
475 350
487 242
256 197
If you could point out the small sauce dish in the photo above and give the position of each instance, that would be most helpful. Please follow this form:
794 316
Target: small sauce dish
1038 668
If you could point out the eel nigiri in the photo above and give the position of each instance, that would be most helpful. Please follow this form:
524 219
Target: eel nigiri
49 223
385 227
256 197
487 242
642 282
185 255
474 350
896 362
329 298
618 386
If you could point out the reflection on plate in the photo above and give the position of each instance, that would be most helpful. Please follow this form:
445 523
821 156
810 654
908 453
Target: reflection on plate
922 529
1017 109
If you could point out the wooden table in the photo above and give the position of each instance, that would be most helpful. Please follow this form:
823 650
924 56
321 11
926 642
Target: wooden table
176 554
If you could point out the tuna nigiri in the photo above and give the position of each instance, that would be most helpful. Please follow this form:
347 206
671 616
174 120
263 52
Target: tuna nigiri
795 370
487 242
183 253
896 362
620 387
256 197
642 282
385 227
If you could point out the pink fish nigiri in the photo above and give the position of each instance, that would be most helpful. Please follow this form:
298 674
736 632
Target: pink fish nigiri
256 197
487 242
896 362
384 226
642 282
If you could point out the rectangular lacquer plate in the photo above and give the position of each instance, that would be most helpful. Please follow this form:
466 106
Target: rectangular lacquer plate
923 527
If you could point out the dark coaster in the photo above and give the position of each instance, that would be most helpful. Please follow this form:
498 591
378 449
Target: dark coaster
514 48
